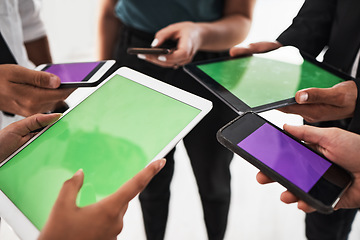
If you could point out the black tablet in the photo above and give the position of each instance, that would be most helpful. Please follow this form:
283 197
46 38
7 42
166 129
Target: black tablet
263 81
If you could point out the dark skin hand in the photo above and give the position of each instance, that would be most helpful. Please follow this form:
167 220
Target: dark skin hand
26 92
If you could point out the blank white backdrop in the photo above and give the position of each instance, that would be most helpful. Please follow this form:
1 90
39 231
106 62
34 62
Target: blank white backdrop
256 211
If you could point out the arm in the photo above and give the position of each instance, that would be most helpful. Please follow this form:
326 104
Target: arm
311 28
39 51
108 29
355 122
209 36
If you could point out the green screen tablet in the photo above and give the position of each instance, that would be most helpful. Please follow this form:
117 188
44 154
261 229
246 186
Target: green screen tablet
263 81
128 121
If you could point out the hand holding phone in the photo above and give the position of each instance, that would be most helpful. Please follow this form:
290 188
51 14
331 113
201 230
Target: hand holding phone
307 174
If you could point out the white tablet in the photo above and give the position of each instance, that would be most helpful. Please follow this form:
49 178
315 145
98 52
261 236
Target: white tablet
78 74
129 120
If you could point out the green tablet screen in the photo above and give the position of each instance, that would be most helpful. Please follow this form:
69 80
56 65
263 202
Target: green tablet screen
258 81
111 135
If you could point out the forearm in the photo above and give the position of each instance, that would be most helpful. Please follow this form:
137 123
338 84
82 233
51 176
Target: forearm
355 122
38 51
108 30
225 33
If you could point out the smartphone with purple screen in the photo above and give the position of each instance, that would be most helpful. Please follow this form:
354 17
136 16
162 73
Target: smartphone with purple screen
300 169
78 74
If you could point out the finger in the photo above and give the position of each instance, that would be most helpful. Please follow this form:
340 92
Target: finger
263 179
305 207
252 48
163 35
287 197
135 185
25 126
70 189
35 78
310 134
318 96
312 112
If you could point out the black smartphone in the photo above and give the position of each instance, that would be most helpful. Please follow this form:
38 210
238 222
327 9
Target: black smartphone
285 159
78 74
156 51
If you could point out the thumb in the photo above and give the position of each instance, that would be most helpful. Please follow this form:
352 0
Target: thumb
317 96
70 189
35 78
27 125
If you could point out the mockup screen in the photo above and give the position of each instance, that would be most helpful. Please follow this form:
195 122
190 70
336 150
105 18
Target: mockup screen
73 72
285 156
111 135
258 81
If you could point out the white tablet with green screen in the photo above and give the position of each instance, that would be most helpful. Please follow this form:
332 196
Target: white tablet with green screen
126 122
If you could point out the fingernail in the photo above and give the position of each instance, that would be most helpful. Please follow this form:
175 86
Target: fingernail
141 56
303 97
162 163
154 42
162 58
54 81
78 172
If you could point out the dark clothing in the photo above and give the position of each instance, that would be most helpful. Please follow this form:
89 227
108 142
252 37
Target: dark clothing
335 25
210 161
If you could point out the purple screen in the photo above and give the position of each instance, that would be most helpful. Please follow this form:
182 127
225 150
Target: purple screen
286 156
72 72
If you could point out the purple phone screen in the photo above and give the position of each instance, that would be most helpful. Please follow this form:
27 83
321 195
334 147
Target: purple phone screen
72 72
286 156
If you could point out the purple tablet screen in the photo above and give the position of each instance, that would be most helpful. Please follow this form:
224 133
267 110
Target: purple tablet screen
72 72
286 156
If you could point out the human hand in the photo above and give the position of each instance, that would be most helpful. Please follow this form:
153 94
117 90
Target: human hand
252 48
341 147
16 134
101 220
325 104
26 92
188 36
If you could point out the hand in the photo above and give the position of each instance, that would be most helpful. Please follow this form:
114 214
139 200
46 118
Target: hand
325 104
259 47
101 220
341 147
188 35
26 92
16 134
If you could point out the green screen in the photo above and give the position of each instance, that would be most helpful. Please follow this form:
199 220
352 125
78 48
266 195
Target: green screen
258 81
111 135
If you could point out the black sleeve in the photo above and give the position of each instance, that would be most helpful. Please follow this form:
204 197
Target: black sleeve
311 28
355 122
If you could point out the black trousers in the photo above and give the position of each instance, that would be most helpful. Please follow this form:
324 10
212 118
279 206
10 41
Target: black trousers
334 226
209 160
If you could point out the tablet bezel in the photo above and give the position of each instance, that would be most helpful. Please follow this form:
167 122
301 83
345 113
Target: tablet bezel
95 77
22 226
237 104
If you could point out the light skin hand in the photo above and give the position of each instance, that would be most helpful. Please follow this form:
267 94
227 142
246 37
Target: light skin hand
341 147
26 92
207 36
101 220
252 48
316 104
188 36
16 134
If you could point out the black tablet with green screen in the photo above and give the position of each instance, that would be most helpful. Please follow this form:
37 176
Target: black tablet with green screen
263 81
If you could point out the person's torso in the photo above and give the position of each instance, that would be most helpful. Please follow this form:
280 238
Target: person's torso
151 16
